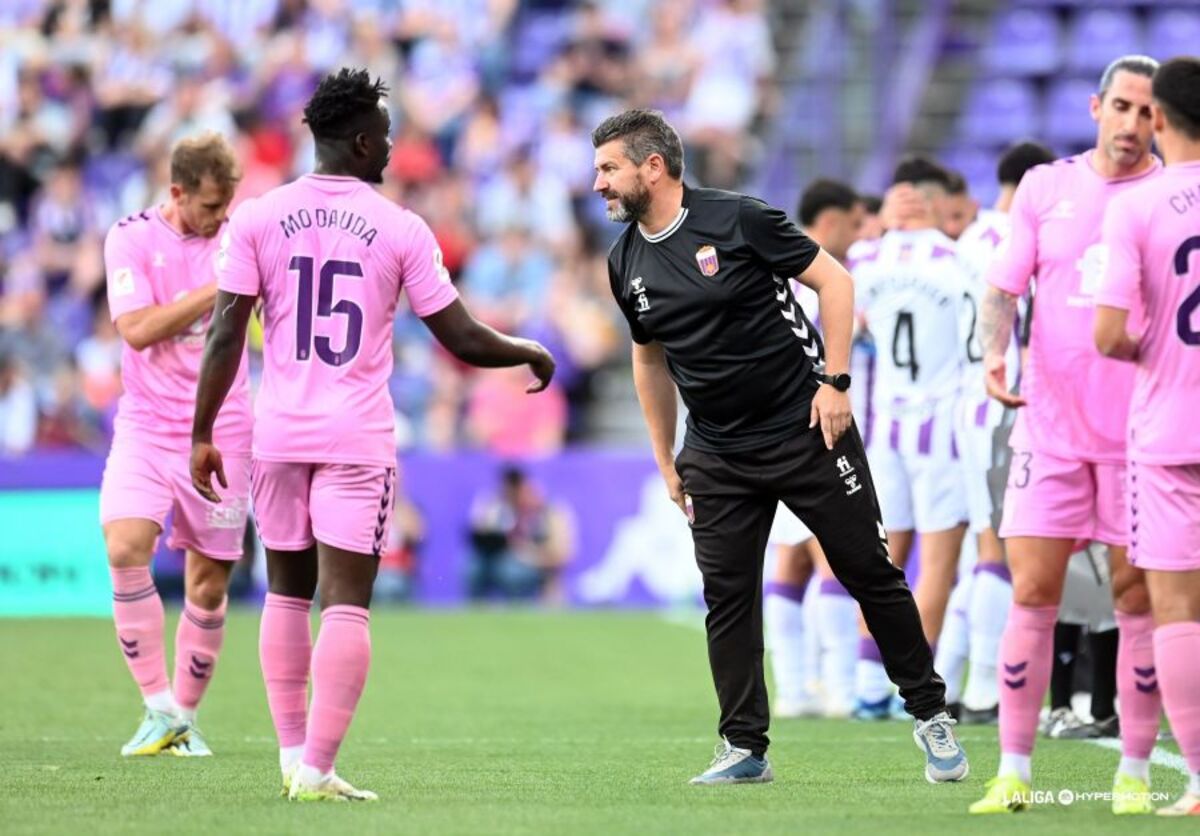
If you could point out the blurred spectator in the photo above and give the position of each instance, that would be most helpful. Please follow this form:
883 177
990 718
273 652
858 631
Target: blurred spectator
66 240
520 543
525 195
504 419
18 409
738 58
98 358
506 281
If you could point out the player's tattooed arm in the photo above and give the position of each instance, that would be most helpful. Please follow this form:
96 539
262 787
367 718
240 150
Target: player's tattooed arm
147 326
471 341
997 318
222 356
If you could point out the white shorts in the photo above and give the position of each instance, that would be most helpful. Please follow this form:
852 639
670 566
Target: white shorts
787 530
974 430
916 469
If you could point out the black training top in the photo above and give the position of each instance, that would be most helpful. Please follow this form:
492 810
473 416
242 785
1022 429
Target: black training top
712 289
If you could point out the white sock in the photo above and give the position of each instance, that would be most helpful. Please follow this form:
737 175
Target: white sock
1019 765
837 628
310 776
783 618
289 757
188 714
871 682
812 638
1194 784
1135 768
952 645
162 701
987 613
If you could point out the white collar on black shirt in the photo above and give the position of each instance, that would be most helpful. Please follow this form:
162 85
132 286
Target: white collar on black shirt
669 231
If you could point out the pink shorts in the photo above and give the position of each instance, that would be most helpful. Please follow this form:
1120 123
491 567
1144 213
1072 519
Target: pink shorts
1164 517
1048 496
348 506
145 482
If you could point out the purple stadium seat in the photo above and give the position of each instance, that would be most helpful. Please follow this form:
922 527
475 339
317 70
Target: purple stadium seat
977 166
1065 112
1024 41
1097 36
1173 32
999 111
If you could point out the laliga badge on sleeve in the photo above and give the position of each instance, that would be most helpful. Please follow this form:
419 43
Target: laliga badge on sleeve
706 257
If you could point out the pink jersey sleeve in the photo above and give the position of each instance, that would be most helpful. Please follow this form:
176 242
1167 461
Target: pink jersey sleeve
425 279
1017 260
128 285
1123 228
237 263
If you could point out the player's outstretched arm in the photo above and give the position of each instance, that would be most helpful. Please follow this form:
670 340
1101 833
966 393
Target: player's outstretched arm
1108 330
147 326
996 318
222 356
471 341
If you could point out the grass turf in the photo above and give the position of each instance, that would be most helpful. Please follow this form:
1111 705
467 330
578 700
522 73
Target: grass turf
488 722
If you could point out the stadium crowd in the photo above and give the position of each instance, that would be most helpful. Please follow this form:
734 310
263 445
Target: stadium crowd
492 101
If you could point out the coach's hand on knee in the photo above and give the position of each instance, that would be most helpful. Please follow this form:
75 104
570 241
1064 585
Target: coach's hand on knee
830 409
206 460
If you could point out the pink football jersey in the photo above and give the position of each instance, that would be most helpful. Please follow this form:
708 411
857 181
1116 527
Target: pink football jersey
1077 399
329 257
149 263
1153 238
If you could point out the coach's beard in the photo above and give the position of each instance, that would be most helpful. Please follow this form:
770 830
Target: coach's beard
630 207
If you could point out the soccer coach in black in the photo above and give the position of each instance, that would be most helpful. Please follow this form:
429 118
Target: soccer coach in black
702 278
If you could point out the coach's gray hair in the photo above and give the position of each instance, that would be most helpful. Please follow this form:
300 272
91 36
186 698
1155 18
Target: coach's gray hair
645 132
1142 65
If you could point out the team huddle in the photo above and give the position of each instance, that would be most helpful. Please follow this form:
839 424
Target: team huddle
1071 305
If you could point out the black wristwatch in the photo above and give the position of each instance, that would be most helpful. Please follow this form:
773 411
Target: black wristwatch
841 382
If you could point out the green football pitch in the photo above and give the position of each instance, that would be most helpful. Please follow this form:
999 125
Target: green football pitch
489 722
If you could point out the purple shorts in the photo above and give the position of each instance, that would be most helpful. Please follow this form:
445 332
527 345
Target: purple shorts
145 482
348 506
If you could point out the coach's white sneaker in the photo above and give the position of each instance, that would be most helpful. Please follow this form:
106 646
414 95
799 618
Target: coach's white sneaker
945 759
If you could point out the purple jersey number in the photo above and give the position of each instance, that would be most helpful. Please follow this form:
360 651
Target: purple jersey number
326 308
1183 319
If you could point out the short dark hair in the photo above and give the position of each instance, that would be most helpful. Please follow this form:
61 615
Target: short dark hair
644 132
824 194
340 103
958 183
1018 159
917 169
1142 65
1176 89
871 203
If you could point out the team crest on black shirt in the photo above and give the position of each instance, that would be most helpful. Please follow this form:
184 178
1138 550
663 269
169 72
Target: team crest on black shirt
706 257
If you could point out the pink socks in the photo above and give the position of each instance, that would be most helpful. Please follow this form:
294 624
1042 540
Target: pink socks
284 650
138 615
1177 647
197 645
1026 657
339 670
1137 685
